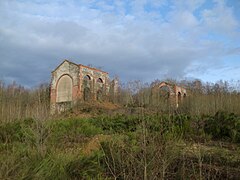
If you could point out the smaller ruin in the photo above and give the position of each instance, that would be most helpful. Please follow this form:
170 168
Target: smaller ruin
76 82
168 93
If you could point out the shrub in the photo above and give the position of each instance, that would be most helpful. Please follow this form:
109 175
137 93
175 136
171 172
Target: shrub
10 132
72 128
116 124
85 167
16 131
223 126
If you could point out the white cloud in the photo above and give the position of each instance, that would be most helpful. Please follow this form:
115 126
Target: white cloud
220 19
123 37
189 5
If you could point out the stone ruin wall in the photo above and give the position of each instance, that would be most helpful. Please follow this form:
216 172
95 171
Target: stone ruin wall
167 93
98 81
66 69
72 82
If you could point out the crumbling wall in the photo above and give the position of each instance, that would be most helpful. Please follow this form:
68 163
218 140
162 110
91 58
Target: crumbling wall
64 84
95 81
72 82
166 94
113 90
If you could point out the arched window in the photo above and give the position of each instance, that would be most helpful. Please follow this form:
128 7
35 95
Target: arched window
87 81
99 80
99 84
179 97
87 78
164 92
64 89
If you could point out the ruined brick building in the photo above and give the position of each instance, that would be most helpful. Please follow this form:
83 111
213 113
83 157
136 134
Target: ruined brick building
72 82
168 93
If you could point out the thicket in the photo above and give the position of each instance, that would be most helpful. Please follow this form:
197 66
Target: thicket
141 140
149 147
223 126
17 102
202 98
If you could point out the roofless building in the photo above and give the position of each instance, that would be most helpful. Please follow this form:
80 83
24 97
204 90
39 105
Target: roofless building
76 82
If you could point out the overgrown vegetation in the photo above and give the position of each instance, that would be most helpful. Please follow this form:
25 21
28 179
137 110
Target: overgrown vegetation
136 140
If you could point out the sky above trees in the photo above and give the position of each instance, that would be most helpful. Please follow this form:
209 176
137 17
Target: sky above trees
134 39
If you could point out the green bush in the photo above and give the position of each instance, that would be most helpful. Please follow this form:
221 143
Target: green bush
182 124
223 125
50 167
85 167
116 124
10 132
177 124
16 131
72 128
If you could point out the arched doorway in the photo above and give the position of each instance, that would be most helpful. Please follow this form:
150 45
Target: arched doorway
179 98
164 92
87 86
64 89
164 96
99 95
86 94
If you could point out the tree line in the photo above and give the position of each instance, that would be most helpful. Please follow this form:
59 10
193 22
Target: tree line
18 102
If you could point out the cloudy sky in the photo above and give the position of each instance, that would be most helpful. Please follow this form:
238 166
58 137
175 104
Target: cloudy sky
134 39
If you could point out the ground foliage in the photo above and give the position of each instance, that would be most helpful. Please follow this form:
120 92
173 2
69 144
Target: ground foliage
134 139
135 147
